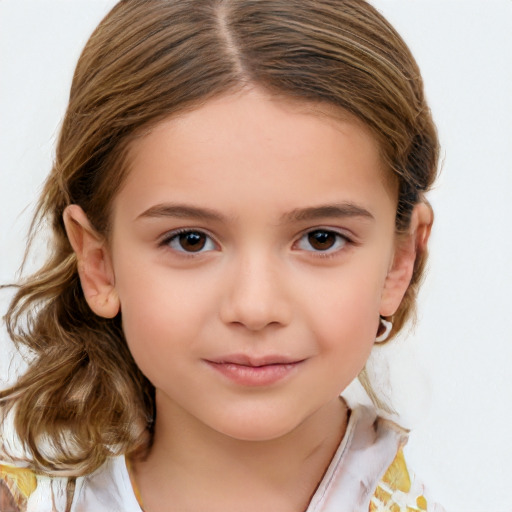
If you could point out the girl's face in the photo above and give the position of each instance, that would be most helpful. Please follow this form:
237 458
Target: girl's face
252 252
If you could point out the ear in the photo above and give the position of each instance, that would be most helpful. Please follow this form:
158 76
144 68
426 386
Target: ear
402 267
94 263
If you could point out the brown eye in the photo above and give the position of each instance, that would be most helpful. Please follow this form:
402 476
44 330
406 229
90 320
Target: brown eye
191 241
322 240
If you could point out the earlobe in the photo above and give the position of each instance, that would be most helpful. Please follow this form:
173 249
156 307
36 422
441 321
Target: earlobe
402 268
94 263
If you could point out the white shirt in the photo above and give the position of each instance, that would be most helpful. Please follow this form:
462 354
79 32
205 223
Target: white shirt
357 479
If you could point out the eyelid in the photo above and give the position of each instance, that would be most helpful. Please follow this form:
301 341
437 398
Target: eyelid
347 237
166 238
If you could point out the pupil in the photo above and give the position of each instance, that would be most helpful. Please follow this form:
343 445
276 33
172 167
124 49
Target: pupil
322 240
192 242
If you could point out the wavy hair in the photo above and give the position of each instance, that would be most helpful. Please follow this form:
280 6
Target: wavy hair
83 398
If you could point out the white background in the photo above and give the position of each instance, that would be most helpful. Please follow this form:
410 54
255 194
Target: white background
452 377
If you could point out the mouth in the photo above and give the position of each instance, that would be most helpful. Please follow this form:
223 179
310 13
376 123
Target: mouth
255 371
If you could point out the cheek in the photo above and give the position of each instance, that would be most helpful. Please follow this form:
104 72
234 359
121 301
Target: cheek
348 299
347 329
345 336
160 317
344 315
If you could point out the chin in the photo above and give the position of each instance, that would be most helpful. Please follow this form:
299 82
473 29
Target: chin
257 427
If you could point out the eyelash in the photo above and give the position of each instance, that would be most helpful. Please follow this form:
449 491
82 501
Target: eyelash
174 235
330 251
167 240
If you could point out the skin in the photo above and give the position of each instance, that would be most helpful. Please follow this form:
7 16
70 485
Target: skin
287 267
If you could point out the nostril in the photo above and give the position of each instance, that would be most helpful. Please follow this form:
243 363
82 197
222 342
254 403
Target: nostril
254 316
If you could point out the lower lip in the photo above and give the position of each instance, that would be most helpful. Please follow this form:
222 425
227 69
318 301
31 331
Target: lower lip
255 375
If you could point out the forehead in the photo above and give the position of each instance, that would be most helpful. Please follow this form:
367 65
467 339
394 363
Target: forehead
249 146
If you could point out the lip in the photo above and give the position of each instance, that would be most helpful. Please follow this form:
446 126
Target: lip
250 371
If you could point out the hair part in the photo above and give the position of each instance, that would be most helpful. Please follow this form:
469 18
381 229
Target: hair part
149 60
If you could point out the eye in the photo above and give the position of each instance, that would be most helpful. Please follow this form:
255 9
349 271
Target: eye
190 241
322 240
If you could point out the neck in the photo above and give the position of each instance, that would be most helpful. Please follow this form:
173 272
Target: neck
212 472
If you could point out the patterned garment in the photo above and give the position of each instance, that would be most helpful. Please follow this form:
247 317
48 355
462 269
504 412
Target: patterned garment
395 492
16 486
368 473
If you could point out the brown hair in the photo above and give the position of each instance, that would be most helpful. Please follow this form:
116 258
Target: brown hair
83 395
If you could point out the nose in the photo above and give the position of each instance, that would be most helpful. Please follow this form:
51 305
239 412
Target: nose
255 296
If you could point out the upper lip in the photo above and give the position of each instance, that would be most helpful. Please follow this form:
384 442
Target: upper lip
255 361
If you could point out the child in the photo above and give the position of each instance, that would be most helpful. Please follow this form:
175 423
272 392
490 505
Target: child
238 211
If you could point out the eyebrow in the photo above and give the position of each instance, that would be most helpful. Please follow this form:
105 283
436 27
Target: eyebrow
342 210
181 212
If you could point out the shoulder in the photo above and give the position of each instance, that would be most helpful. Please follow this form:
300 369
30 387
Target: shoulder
22 489
108 489
397 491
16 487
395 487
368 472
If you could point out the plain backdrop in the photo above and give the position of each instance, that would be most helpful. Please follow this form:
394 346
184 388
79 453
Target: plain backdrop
451 378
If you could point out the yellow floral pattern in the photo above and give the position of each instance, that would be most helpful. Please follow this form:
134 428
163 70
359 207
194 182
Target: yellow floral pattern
16 486
395 492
